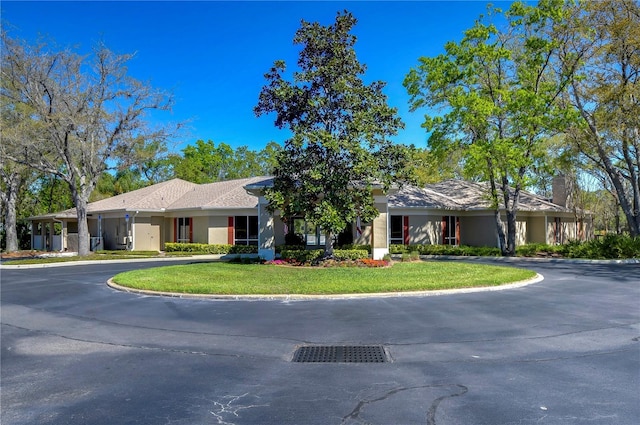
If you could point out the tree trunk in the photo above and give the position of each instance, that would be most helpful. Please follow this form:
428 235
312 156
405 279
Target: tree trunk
511 234
84 247
501 236
10 220
328 245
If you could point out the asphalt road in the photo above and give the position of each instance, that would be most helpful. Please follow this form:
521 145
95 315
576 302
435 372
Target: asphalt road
562 351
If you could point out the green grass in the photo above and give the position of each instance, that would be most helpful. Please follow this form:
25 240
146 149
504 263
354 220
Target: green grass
96 256
246 279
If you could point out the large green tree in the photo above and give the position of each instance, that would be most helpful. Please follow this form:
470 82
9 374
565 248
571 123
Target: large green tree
492 97
91 115
340 148
604 37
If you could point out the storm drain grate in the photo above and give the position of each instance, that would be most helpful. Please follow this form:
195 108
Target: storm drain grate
340 354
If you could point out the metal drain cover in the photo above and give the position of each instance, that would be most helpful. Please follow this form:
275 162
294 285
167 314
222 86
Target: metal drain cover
340 354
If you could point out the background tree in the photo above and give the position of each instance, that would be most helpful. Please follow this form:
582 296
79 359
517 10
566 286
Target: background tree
90 112
429 166
17 128
493 97
340 125
605 90
205 162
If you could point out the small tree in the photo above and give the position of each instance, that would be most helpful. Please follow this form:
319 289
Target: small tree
340 148
90 115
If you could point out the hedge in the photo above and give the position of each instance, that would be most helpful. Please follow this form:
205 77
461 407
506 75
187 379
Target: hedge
309 256
445 250
204 248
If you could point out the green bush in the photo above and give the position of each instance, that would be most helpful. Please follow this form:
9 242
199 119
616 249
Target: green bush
301 255
309 256
350 254
352 246
243 249
203 248
461 250
607 247
397 249
281 248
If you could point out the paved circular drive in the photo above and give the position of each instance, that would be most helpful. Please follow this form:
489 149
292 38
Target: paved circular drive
562 351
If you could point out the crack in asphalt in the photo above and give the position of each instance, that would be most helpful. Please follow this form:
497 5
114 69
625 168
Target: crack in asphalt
230 408
431 413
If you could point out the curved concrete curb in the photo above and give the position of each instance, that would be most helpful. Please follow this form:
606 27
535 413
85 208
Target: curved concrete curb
124 260
227 256
295 297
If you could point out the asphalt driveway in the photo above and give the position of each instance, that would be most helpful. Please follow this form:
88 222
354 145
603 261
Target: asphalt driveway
562 351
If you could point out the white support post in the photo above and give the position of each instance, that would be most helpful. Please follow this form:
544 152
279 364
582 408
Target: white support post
266 231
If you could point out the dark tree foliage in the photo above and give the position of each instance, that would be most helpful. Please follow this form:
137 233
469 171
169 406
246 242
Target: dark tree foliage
340 149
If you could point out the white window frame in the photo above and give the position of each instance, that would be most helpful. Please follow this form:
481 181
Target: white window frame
248 240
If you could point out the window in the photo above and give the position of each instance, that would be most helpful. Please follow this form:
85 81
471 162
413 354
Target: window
398 234
246 230
310 232
450 230
182 231
396 230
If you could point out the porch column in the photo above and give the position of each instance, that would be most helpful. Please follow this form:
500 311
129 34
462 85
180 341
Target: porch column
380 229
266 231
33 233
63 236
47 233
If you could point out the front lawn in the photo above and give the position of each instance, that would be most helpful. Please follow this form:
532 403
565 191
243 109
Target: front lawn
245 279
35 257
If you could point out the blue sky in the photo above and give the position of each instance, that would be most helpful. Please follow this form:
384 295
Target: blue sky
213 55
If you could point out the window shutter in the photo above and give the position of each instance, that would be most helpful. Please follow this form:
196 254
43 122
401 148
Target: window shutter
175 230
191 229
405 230
230 231
458 231
444 229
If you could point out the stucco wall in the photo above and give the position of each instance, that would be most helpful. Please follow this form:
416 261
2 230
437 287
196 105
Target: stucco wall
217 232
380 227
536 230
365 237
279 230
521 231
200 229
147 233
478 231
424 229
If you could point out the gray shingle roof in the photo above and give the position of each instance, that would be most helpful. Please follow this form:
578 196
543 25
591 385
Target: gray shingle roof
177 195
225 194
156 197
463 195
